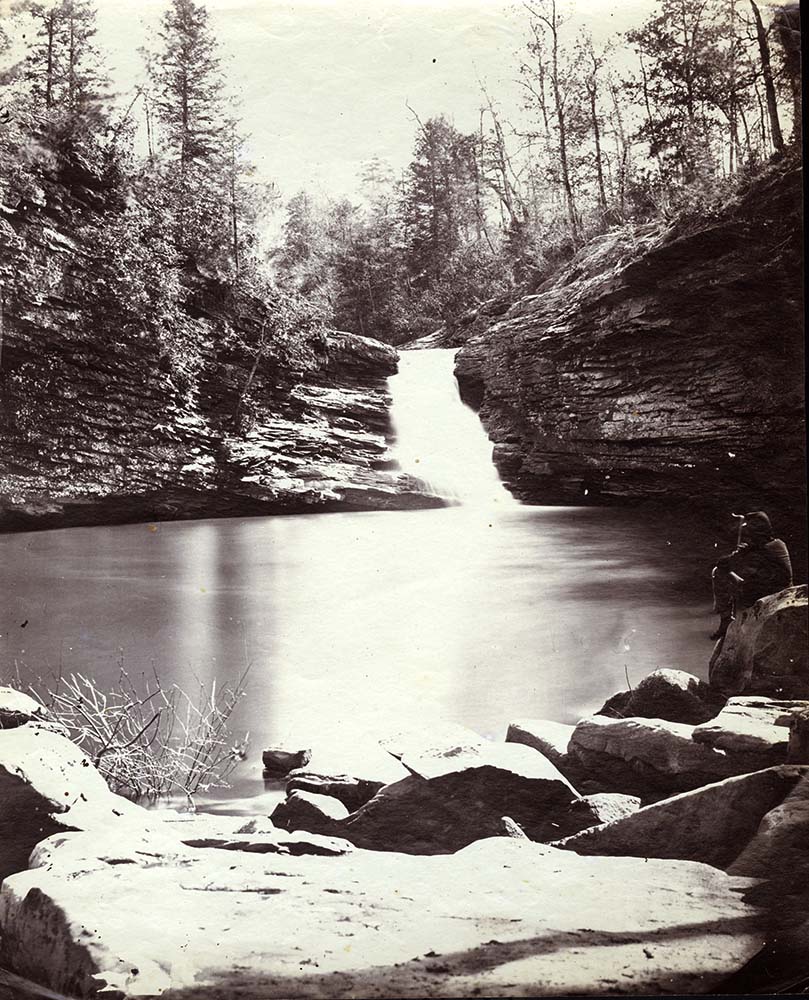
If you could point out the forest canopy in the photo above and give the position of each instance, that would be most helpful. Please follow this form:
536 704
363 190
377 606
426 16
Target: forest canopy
660 120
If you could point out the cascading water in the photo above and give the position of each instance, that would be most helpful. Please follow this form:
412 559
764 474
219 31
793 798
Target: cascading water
439 439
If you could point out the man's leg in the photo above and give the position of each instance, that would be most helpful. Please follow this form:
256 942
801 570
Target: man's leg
723 593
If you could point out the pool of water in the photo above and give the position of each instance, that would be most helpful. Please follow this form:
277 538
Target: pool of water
367 621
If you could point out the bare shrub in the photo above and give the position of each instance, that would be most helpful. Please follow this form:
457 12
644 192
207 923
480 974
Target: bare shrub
151 741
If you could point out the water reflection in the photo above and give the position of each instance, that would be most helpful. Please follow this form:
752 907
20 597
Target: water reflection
355 621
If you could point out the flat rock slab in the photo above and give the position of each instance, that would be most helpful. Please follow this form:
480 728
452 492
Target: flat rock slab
503 917
714 824
648 756
549 738
751 725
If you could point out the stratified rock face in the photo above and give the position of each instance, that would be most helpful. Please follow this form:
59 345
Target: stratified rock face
766 649
503 917
106 428
714 824
660 363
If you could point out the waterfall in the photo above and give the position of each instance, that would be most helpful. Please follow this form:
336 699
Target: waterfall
439 439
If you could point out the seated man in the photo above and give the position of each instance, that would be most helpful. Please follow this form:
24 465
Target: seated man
758 566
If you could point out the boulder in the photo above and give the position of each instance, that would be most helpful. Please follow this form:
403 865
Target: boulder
713 824
766 649
503 917
279 761
652 757
781 842
17 708
750 725
47 784
798 751
605 807
550 738
309 811
450 800
352 792
673 695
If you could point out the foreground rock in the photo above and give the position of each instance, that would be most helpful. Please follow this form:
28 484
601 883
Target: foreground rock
549 738
352 792
652 758
503 917
751 725
766 649
310 811
454 798
17 708
672 695
714 824
279 761
47 785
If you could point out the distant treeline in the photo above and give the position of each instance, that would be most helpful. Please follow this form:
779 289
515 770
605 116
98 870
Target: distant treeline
715 91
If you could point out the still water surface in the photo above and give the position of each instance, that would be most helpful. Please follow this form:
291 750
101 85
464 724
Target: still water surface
367 621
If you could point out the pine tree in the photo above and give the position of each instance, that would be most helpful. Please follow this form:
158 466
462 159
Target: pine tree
65 69
188 85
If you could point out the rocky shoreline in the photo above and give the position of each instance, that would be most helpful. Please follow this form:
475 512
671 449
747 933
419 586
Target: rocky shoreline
656 847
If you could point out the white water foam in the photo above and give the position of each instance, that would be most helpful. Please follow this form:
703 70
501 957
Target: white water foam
439 439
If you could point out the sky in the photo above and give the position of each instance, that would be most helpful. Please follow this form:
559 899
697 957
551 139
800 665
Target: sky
325 84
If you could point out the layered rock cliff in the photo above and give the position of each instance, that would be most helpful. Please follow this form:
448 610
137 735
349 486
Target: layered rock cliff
104 428
663 362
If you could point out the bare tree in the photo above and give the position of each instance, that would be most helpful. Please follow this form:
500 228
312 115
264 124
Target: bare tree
769 84
547 15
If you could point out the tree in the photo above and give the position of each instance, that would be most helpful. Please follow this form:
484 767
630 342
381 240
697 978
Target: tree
769 85
65 70
188 85
545 28
440 197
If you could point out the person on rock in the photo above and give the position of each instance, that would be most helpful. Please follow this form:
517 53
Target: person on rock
758 566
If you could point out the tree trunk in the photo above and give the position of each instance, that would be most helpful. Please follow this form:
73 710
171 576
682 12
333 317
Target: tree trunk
51 25
769 85
560 117
602 196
